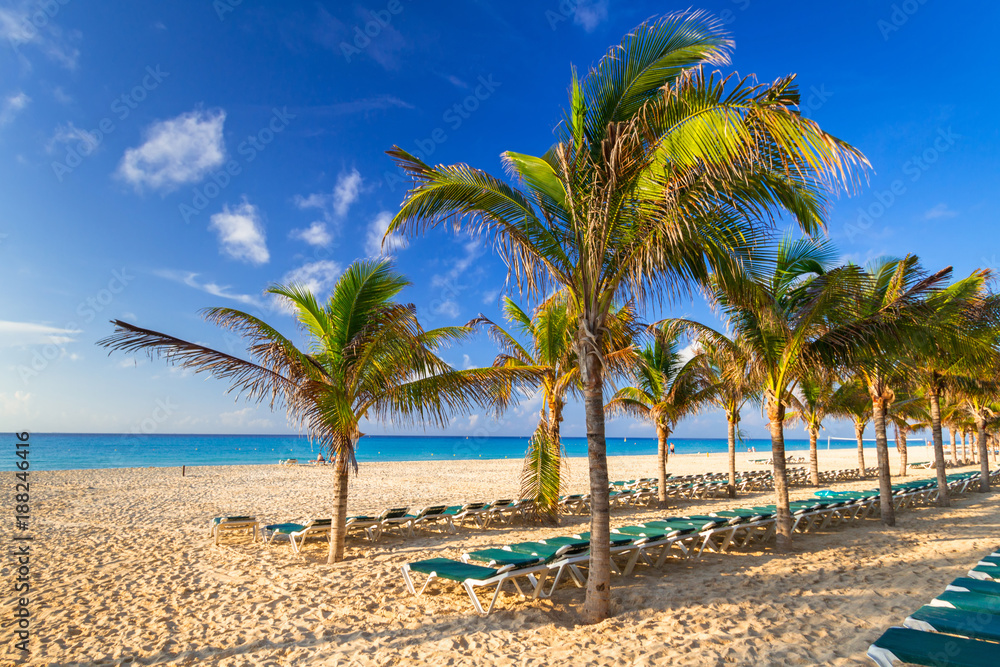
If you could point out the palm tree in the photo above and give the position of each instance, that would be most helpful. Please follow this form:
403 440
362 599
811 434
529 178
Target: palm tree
551 356
887 284
368 358
799 319
812 406
963 343
667 387
907 414
659 173
731 384
851 400
980 403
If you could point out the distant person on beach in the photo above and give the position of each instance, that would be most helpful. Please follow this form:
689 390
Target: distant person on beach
319 458
672 450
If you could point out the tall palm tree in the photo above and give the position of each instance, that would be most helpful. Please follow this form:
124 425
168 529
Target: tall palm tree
551 355
812 406
367 358
887 284
667 387
981 404
851 400
732 382
659 173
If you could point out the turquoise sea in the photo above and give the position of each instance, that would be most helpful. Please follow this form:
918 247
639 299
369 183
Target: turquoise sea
74 451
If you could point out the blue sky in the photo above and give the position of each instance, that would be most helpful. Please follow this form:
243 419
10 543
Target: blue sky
158 158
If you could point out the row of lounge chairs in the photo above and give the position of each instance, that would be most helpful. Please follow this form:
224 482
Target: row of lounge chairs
653 542
959 628
399 519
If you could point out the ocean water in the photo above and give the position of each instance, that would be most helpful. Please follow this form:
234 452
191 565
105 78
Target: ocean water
75 451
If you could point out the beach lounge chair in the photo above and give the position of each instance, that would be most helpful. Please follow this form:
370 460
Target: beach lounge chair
369 524
397 518
969 624
433 514
298 531
968 601
904 645
472 576
496 510
970 585
288 462
221 524
461 513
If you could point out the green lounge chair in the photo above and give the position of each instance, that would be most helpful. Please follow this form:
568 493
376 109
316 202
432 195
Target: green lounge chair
969 624
369 524
221 524
460 513
472 576
977 602
499 557
931 649
970 585
986 572
298 531
397 518
432 514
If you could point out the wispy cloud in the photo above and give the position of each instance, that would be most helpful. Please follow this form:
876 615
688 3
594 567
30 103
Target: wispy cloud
176 151
20 334
190 278
71 134
241 233
12 106
315 234
318 277
30 23
590 13
940 211
374 246
334 206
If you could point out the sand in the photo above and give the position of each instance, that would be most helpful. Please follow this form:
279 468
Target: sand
124 573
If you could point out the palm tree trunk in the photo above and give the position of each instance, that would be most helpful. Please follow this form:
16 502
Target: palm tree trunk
661 436
555 419
813 456
934 395
901 448
954 445
859 433
338 533
597 606
965 447
776 415
888 512
984 461
732 456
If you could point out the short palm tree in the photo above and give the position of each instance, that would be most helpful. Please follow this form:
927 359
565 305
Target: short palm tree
850 399
667 387
659 174
367 358
812 406
732 383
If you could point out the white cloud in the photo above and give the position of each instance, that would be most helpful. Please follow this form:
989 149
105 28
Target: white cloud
334 206
15 404
190 279
318 277
490 297
29 22
940 211
19 334
346 192
241 233
86 142
176 151
590 13
243 418
376 231
12 105
447 307
315 234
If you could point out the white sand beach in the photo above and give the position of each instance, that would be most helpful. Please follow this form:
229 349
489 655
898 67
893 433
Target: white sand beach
126 574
